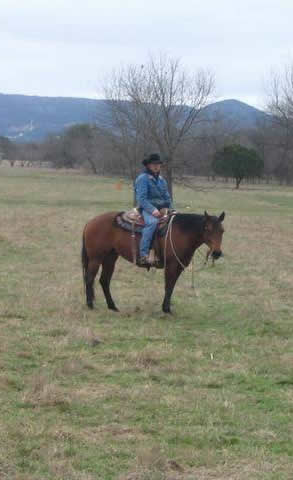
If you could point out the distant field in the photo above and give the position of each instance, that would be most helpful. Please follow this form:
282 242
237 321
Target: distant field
204 394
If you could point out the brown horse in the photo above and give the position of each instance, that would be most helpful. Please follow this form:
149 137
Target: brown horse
104 240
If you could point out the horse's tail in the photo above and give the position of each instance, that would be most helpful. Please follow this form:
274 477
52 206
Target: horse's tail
84 260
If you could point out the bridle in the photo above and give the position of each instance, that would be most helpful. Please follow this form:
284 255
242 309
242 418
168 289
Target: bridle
169 232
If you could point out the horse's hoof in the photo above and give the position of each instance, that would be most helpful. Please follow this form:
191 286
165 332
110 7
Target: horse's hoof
114 309
90 306
167 310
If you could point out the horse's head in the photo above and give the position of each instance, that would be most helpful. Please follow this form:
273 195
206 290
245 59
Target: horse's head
213 233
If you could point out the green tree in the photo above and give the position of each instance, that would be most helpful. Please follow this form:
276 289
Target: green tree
238 162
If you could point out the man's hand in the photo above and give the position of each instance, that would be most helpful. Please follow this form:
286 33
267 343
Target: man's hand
156 213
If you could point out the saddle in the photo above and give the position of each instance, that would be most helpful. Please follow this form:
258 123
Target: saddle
133 221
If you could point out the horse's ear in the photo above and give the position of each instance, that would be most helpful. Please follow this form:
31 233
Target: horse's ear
221 217
206 214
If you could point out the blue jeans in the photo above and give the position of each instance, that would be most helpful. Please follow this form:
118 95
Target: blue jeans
148 231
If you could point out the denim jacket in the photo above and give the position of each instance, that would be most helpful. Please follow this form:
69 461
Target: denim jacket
152 192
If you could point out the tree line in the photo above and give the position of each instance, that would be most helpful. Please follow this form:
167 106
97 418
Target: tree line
158 107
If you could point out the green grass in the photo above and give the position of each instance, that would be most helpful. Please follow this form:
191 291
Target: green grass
138 395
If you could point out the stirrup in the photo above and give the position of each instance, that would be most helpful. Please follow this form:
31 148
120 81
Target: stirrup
144 261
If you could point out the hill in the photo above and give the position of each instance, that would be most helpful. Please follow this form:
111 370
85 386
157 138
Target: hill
26 118
236 114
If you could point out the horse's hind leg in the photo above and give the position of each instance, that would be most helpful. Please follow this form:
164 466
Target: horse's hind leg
90 276
108 266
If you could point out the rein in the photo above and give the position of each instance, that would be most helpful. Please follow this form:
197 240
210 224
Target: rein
133 244
169 232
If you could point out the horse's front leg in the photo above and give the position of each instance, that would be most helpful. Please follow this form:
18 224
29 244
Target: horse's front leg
108 266
172 272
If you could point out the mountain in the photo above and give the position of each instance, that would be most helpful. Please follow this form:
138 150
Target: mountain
26 118
236 114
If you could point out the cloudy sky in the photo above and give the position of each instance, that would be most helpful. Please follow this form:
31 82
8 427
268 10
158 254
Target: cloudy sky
66 47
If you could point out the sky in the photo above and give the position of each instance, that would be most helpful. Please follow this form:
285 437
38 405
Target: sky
68 47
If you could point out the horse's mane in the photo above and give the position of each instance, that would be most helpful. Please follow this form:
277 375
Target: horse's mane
190 222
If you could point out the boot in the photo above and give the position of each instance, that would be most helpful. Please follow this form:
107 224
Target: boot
143 261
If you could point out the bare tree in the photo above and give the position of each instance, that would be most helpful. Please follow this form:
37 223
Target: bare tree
157 104
125 132
29 154
8 150
280 93
81 144
280 106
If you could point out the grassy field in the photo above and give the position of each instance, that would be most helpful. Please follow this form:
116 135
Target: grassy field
138 395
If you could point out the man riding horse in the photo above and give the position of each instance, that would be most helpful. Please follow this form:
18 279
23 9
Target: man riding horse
152 194
104 238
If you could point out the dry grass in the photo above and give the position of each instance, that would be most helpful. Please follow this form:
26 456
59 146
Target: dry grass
205 394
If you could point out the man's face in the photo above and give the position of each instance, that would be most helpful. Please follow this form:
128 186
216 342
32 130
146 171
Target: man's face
154 167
